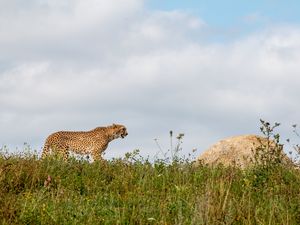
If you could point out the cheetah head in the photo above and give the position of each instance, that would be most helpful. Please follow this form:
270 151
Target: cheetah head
119 131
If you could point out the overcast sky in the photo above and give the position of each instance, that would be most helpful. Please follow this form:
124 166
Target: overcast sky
208 70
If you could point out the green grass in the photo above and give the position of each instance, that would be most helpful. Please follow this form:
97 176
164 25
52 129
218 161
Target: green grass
125 191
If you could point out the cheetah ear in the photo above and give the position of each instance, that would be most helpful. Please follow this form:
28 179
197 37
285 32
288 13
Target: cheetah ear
114 125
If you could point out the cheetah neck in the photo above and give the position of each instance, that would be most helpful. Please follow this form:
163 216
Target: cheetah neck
111 137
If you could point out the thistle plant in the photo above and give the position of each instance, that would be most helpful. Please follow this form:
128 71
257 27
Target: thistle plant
270 151
295 152
173 153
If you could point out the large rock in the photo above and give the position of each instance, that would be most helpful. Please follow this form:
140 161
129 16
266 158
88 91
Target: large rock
235 151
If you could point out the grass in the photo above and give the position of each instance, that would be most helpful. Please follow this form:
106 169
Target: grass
133 190
126 191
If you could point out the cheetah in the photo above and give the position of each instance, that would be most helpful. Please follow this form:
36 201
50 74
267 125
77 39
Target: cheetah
92 142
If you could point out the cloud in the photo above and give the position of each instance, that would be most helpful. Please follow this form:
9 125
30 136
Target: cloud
255 17
74 65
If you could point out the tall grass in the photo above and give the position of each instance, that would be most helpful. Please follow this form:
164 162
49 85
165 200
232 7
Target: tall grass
51 191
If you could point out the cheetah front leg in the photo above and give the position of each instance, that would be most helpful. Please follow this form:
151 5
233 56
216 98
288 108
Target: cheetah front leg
96 153
97 156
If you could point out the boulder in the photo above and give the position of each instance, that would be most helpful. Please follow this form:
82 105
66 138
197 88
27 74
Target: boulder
236 151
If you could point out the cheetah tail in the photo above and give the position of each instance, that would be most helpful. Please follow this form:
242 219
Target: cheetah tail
46 150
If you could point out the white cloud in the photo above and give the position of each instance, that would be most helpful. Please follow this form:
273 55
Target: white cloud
80 64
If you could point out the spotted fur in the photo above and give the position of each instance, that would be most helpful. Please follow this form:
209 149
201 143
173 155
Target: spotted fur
92 142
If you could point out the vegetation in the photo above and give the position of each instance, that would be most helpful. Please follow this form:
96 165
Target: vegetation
123 192
133 190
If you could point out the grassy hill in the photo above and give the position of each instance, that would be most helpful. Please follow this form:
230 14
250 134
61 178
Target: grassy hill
134 191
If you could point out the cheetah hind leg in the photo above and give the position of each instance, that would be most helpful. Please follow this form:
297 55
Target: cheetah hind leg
65 153
58 151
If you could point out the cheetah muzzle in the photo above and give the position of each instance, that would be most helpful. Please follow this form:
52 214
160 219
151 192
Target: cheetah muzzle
92 142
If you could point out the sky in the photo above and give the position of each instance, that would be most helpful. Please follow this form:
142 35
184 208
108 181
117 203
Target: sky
208 69
230 12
